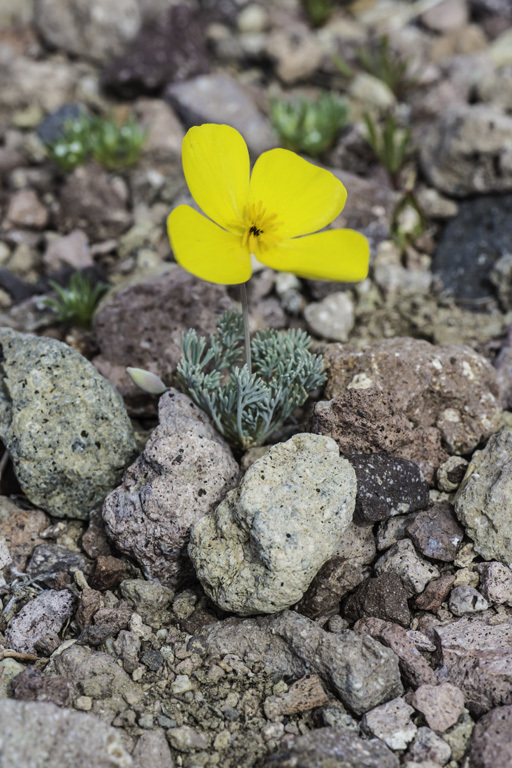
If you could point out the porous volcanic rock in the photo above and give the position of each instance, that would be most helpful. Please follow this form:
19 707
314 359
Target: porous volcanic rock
64 425
185 470
484 500
448 393
490 745
43 615
141 326
260 549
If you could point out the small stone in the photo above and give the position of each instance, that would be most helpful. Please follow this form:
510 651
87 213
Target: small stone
25 210
414 571
371 92
383 596
295 51
441 705
490 745
151 750
108 573
127 645
391 722
305 694
435 593
436 533
451 473
333 318
55 564
45 614
466 599
31 685
447 16
83 703
428 746
495 583
182 684
68 251
186 739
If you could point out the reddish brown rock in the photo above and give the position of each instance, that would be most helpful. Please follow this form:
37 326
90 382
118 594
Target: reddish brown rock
31 685
95 540
491 745
435 593
413 665
90 602
333 581
21 529
135 328
436 533
448 393
108 573
440 705
92 201
383 597
306 693
477 658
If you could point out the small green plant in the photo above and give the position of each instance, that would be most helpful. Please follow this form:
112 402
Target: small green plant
75 304
389 143
113 145
317 11
116 146
247 407
309 126
382 63
72 148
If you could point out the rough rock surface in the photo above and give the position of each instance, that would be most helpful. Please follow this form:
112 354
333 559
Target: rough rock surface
64 425
21 529
496 583
332 318
172 49
220 99
333 748
362 671
135 328
383 596
414 571
391 722
467 151
477 658
387 486
260 549
440 705
436 533
93 201
184 471
42 616
448 393
63 737
484 502
88 28
491 746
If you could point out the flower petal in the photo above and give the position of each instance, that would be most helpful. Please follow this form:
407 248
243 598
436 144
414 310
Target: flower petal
206 250
338 254
216 166
304 197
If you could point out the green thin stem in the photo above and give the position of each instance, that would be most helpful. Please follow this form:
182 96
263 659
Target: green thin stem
247 330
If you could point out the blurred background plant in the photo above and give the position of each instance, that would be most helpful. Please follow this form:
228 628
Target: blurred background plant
75 303
115 145
309 126
378 60
317 11
389 143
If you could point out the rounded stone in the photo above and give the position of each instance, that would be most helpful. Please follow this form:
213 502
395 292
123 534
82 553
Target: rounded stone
260 549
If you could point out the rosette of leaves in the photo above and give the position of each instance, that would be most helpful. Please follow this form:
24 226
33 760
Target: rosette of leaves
75 303
246 407
309 126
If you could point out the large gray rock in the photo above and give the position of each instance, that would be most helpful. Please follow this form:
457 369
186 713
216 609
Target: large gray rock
468 151
484 501
333 748
95 29
260 549
361 671
185 470
491 745
38 735
64 425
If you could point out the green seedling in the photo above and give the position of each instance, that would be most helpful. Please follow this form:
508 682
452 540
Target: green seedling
389 143
317 11
309 126
73 147
75 304
382 63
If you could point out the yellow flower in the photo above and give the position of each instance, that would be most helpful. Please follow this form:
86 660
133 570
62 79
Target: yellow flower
268 213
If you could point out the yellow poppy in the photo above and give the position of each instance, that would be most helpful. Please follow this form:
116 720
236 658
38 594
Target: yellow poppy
268 213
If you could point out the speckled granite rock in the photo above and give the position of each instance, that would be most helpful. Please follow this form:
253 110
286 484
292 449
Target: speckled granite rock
33 733
333 748
260 549
63 424
185 470
361 670
484 501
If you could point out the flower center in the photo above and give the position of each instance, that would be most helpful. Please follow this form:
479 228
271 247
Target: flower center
260 230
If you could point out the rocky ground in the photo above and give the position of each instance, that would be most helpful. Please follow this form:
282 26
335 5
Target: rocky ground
378 640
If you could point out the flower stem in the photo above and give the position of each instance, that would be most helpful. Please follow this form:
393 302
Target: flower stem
247 330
